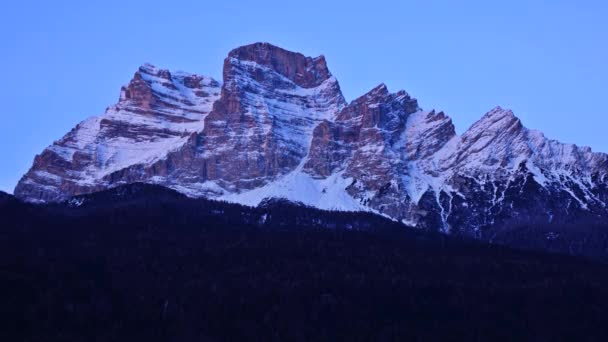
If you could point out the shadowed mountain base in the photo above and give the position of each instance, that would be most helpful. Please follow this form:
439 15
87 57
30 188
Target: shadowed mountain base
143 263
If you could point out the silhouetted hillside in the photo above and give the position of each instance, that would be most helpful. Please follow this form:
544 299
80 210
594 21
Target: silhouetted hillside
588 238
143 263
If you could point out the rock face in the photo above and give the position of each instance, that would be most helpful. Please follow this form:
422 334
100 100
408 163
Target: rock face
156 114
279 126
260 127
499 172
185 132
374 142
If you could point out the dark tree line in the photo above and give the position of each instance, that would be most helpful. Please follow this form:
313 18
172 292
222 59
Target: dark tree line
146 264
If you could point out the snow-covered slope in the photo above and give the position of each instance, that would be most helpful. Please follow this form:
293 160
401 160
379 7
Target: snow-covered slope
279 126
156 114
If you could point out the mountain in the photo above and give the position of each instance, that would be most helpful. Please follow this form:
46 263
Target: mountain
279 127
157 113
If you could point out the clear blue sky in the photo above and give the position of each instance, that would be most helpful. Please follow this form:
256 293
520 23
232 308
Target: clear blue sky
63 61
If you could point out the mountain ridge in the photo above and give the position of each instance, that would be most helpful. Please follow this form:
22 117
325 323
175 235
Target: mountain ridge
279 126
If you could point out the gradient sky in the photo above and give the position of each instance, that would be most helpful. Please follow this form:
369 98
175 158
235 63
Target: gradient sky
63 61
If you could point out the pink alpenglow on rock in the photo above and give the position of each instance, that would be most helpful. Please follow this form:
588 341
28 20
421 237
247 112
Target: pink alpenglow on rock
278 126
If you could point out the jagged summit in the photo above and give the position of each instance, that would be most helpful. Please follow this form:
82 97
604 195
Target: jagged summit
498 118
152 69
156 113
278 126
306 72
380 94
380 89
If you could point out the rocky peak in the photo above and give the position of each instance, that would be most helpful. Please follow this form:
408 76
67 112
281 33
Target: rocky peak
497 119
495 139
153 88
157 112
306 72
280 127
426 133
260 127
381 95
152 70
138 90
378 92
365 140
379 107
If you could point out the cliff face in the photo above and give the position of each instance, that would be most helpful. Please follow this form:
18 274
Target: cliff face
260 127
278 126
190 133
156 114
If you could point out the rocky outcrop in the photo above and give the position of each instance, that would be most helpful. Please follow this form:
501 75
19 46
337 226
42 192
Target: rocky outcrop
279 127
156 114
500 172
260 127
372 142
185 132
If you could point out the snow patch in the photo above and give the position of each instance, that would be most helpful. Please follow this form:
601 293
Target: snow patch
329 193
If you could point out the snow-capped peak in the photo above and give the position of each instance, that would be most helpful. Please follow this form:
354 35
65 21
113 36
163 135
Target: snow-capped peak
278 126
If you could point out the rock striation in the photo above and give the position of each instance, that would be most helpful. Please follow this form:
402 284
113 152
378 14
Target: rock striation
278 126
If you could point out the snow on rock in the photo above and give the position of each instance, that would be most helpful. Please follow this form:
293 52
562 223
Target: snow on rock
329 193
260 129
279 126
156 113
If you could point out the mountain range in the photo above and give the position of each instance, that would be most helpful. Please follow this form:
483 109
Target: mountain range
278 126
